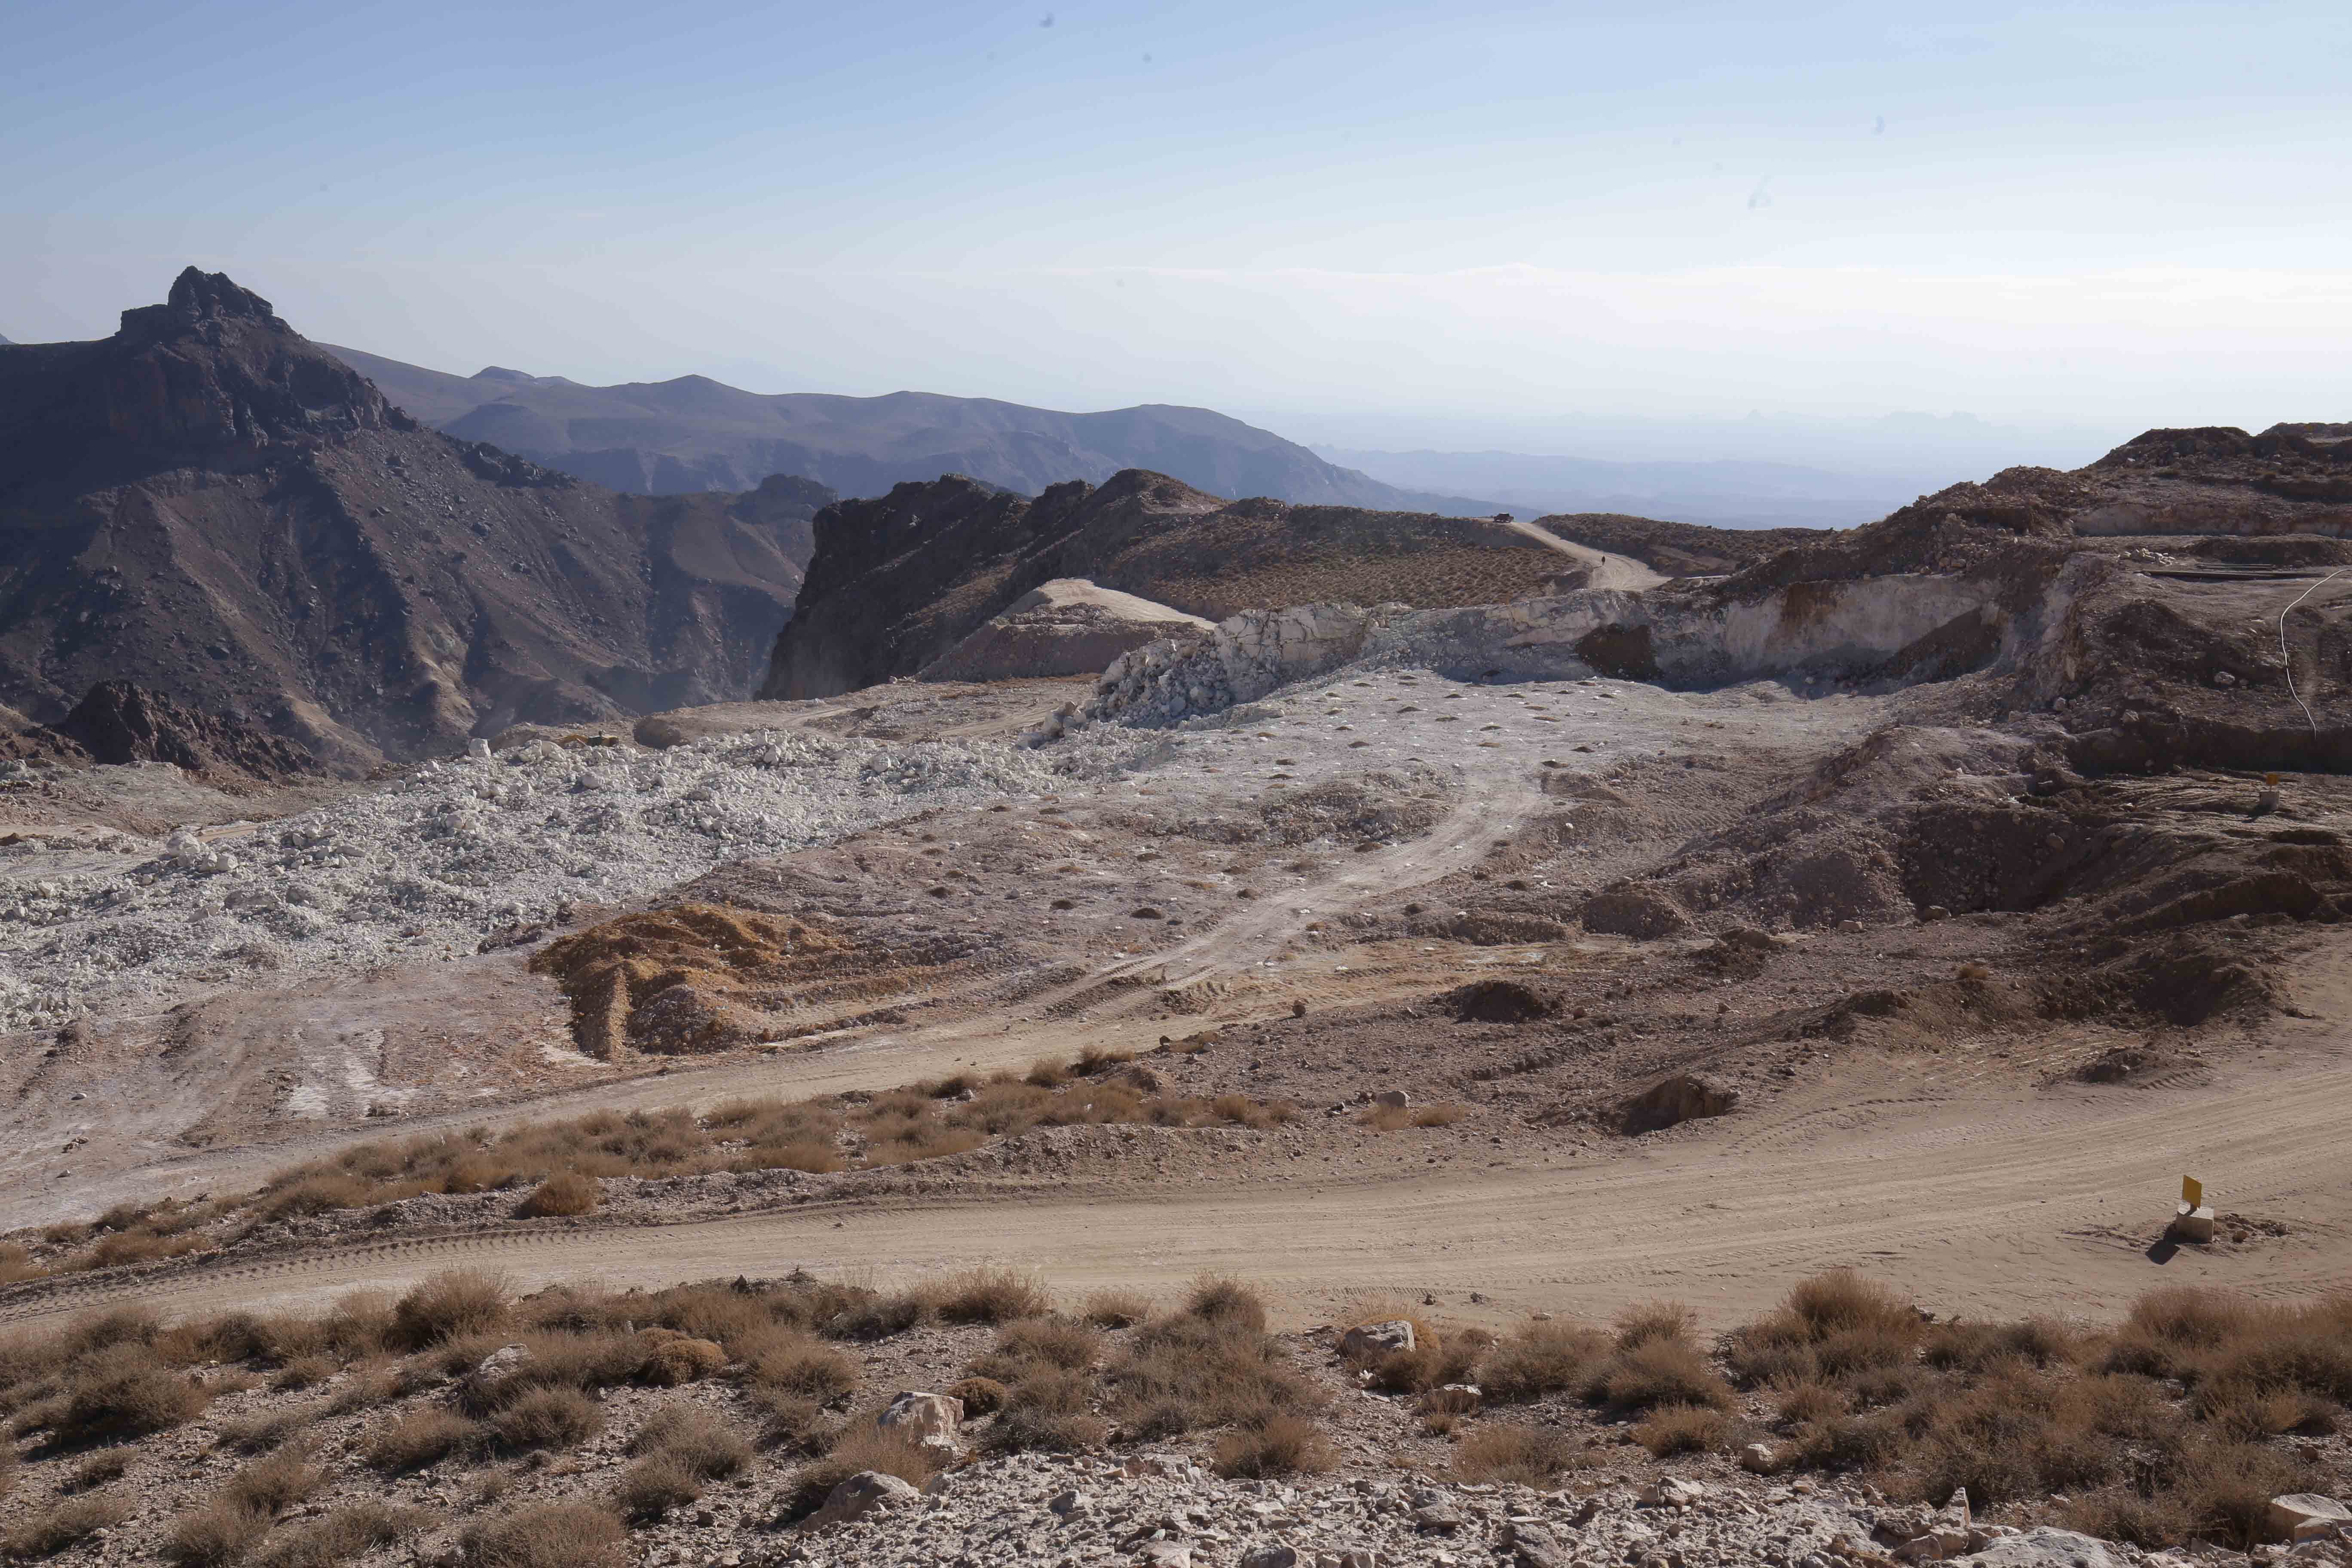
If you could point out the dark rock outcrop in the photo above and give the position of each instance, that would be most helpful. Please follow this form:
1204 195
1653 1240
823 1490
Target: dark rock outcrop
213 507
898 581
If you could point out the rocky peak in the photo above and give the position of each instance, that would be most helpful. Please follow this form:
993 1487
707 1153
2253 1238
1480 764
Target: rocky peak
196 299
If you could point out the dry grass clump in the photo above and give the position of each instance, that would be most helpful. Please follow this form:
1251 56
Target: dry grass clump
1660 1373
67 1524
1541 1358
651 1488
419 1439
860 1446
546 1418
17 1264
1445 1115
1049 1409
1681 1429
1214 1364
267 1486
981 1395
102 1469
991 1296
548 1535
1036 1344
455 1304
1273 1444
1116 1308
124 1391
564 1192
343 1535
790 1360
215 1536
1517 1455
695 1440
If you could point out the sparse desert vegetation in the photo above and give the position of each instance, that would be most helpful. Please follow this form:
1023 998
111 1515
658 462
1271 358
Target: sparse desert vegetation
2177 1425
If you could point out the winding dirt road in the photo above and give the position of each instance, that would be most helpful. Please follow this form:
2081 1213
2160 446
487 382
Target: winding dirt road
1995 1202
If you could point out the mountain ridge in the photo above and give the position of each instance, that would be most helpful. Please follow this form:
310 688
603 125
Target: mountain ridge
694 433
212 507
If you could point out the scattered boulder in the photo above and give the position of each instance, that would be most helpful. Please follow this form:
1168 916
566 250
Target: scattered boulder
1684 1097
868 1491
1496 1002
2299 1516
1453 1399
919 1415
1672 1491
2044 1547
1370 1342
1392 1099
1757 1459
1643 916
1532 1546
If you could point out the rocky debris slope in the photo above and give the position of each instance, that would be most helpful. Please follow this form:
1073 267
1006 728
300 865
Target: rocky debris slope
896 582
1066 627
457 851
1169 1513
209 505
118 723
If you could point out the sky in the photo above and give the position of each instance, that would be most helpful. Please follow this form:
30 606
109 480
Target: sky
1443 226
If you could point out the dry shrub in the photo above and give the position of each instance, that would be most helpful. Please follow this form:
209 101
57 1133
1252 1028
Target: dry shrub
789 1421
1517 1455
123 1390
261 1431
99 1469
1646 1320
1541 1358
267 1486
369 1387
130 1247
1222 1300
1831 1326
564 1192
719 1313
1046 1073
1436 1360
215 1536
1976 1347
981 1395
420 1438
548 1535
863 1446
1386 1117
695 1440
1093 1059
792 1362
2226 1489
2121 1513
1047 1410
669 1358
1033 1344
1854 1442
1190 1372
1800 1403
67 1524
451 1305
1681 1429
1660 1372
343 1536
873 1316
1117 1309
303 1372
546 1418
17 1264
1273 1445
1445 1115
992 1296
651 1488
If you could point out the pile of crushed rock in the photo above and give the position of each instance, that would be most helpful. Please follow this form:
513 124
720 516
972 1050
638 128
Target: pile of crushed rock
460 849
1167 1513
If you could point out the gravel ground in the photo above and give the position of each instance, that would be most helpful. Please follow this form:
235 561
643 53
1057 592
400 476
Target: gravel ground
432 865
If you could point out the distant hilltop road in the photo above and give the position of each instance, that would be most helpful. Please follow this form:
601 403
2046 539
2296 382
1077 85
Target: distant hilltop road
674 438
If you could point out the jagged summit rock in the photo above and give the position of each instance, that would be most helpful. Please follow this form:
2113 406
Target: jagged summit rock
213 507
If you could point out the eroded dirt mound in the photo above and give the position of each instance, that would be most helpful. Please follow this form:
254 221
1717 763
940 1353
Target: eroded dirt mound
118 722
1685 1097
683 981
1497 1002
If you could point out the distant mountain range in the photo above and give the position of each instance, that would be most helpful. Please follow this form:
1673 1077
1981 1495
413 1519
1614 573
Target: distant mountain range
213 507
1725 494
693 433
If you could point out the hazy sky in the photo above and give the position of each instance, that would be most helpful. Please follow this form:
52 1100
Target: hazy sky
2097 216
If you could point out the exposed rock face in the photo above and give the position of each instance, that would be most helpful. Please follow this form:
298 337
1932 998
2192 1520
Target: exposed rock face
210 506
118 723
1068 626
895 583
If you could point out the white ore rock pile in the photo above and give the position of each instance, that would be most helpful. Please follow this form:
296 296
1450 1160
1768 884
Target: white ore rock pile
1066 627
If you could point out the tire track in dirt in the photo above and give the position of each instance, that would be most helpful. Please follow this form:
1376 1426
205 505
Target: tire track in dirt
1981 1207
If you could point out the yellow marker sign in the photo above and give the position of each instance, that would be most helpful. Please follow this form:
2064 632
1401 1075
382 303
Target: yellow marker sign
2192 1192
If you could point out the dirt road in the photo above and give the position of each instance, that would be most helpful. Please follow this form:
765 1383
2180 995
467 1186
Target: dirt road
2001 1201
